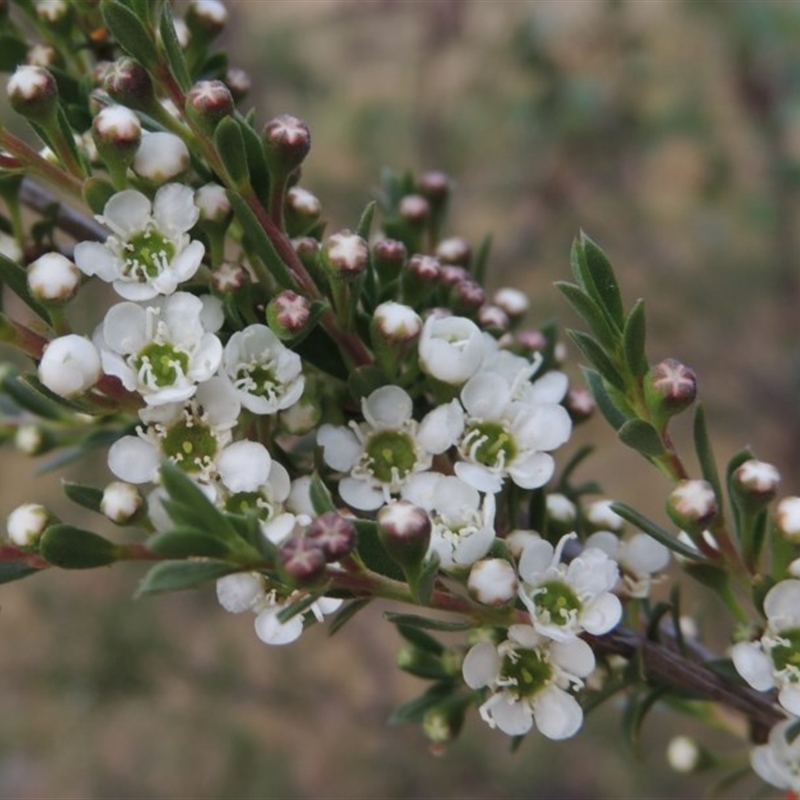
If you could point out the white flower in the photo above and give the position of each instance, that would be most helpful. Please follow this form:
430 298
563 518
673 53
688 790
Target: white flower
462 527
70 365
383 452
566 599
774 660
778 761
529 676
121 501
267 375
26 523
451 349
149 251
212 202
493 582
639 557
787 516
53 277
504 438
161 157
271 630
600 515
162 349
242 591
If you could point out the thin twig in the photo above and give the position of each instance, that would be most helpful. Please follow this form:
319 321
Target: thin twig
77 225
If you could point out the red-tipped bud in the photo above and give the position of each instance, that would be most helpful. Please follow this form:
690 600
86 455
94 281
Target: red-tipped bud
288 314
229 278
239 82
117 134
206 19
209 102
213 204
414 208
334 534
692 505
303 560
55 14
435 186
405 531
467 297
345 255
451 275
425 269
42 55
307 249
389 256
288 141
755 483
454 250
33 94
493 319
128 82
670 387
512 301
532 341
579 403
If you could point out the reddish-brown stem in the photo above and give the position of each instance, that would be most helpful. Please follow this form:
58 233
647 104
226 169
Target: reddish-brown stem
39 166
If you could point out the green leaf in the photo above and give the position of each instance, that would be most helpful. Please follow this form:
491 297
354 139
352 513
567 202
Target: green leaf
598 358
87 496
13 52
346 613
482 260
96 193
172 49
258 238
16 279
710 575
131 34
608 409
365 223
425 579
363 381
320 496
372 552
15 570
298 607
172 576
414 710
589 312
184 543
415 621
256 160
74 548
642 437
25 397
657 532
637 710
599 280
229 143
705 455
32 382
736 461
420 639
320 350
633 338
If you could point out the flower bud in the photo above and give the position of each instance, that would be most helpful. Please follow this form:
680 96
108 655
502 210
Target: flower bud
303 560
561 513
121 502
389 256
395 324
288 314
301 417
117 134
33 440
600 516
532 341
670 387
579 403
512 301
414 208
454 250
493 582
33 94
229 278
208 103
53 278
755 483
307 249
493 319
451 349
42 55
288 141
70 365
26 523
55 14
334 534
692 505
240 592
161 157
467 297
787 518
213 204
405 531
345 255
129 84
435 186
302 210
451 275
442 722
238 81
206 19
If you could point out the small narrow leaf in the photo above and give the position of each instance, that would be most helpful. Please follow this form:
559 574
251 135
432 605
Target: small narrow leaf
365 223
608 409
482 259
589 312
346 613
705 455
15 571
131 35
187 543
372 552
633 337
598 358
256 160
172 576
16 278
420 639
13 52
320 496
414 710
74 548
415 621
229 142
173 49
603 280
657 532
87 496
25 397
426 579
642 437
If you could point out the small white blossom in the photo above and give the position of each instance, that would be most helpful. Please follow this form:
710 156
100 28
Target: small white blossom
26 523
560 508
162 349
778 761
451 349
639 557
566 599
70 365
161 157
241 591
212 202
493 582
121 501
512 301
529 677
149 251
600 515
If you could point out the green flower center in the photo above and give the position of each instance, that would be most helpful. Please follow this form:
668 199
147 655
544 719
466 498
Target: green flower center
147 254
787 655
256 379
190 444
528 669
247 502
556 601
161 364
390 455
490 444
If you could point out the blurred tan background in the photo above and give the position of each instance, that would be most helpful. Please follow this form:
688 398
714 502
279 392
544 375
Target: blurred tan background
669 130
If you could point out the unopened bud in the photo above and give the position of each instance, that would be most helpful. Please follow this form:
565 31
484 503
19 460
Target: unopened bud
128 83
467 297
212 202
670 387
54 13
493 319
117 134
532 341
288 141
206 19
32 440
424 269
303 560
301 417
53 278
389 256
239 82
451 275
33 93
345 255
756 483
288 314
161 157
334 534
42 55
435 186
787 517
207 103
240 592
70 365
405 531
683 754
414 208
397 323
229 278
121 502
493 582
579 403
512 301
443 722
692 505
454 250
302 210
561 513
26 524
600 516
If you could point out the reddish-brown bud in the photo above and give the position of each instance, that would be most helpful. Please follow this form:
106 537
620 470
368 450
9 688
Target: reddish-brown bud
333 534
303 560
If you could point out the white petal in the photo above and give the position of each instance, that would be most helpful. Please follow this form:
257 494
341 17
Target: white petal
533 471
174 209
279 483
212 316
644 555
135 292
133 459
277 530
219 400
188 261
244 466
481 665
127 212
550 388
544 427
360 495
483 479
574 656
601 614
789 698
388 407
513 717
340 447
535 559
421 489
782 604
206 358
124 328
454 498
440 428
181 312
240 592
753 665
329 605
592 573
558 714
93 258
474 546
765 765
604 540
271 631
485 395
